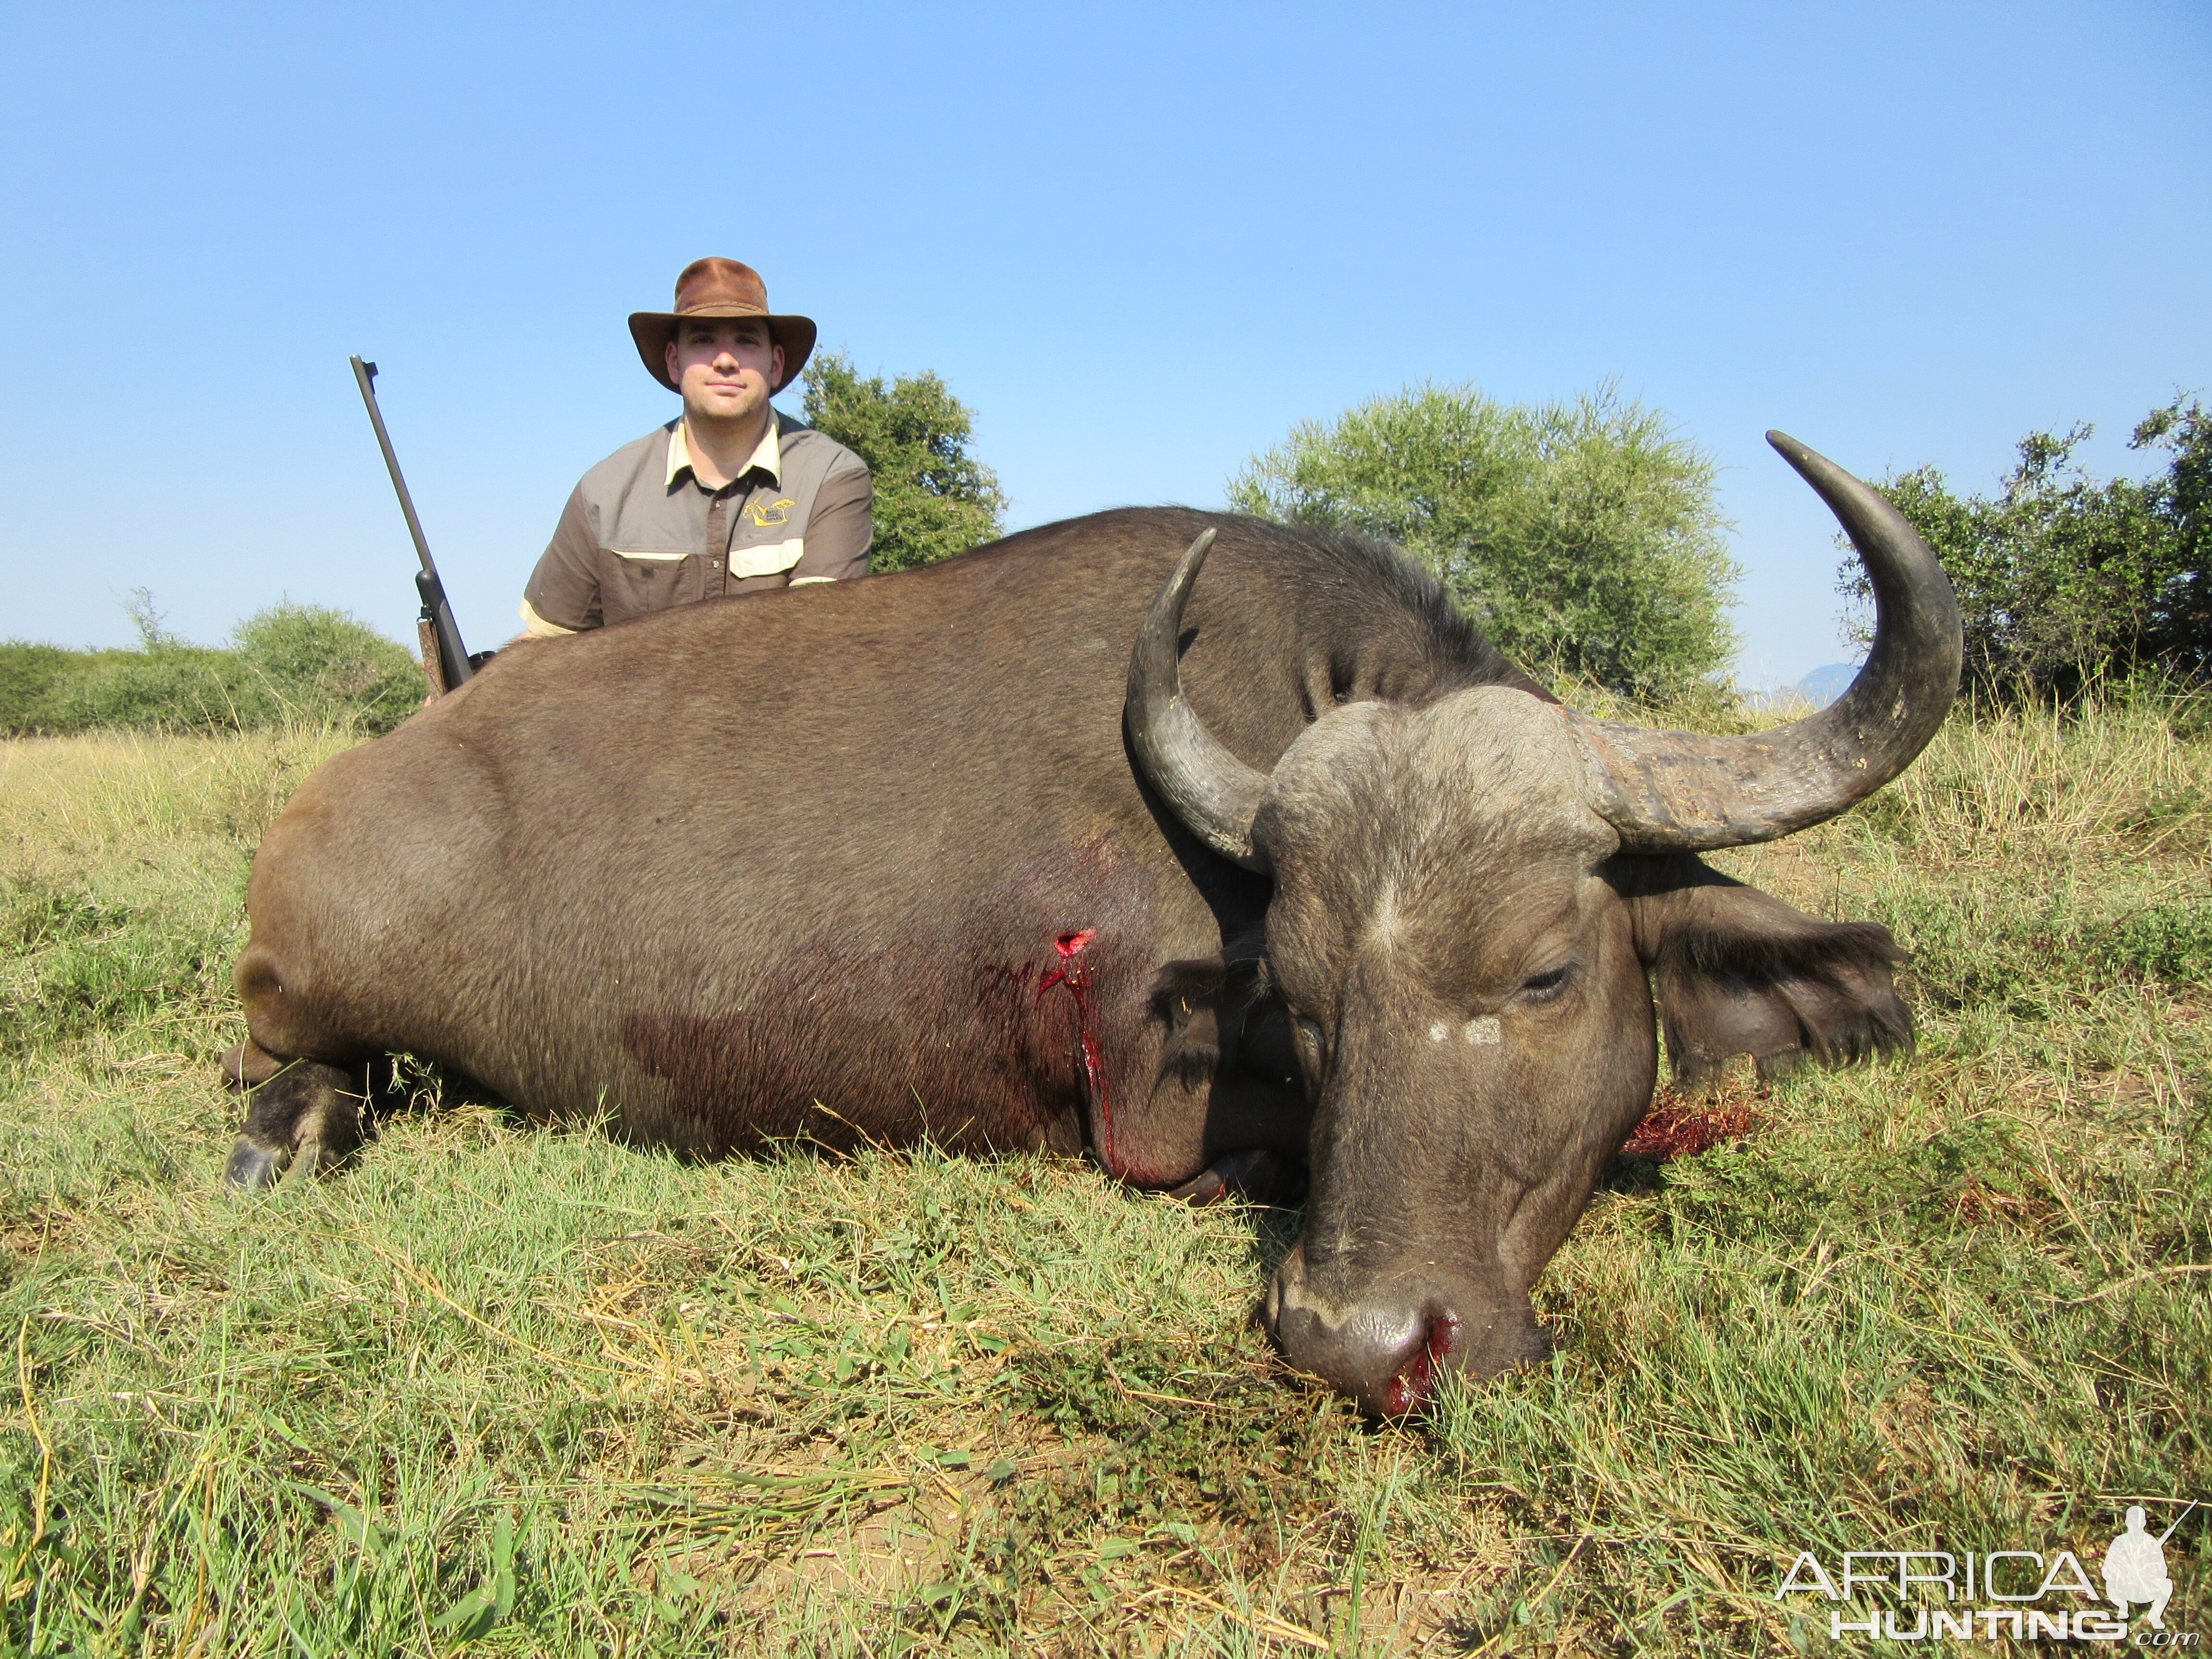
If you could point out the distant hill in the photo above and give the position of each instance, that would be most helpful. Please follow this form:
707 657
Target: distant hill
1819 687
1824 685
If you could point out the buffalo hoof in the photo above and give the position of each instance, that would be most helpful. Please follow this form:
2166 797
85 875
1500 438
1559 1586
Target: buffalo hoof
1263 1177
303 1117
253 1167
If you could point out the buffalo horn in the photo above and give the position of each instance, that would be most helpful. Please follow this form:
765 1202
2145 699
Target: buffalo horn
1682 791
1211 791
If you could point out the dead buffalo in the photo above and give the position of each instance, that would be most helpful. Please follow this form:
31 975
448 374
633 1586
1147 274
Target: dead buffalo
1313 877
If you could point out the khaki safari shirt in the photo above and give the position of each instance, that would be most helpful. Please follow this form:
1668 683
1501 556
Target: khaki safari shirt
642 533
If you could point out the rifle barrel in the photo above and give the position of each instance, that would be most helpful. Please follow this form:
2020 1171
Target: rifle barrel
365 375
453 656
2178 1520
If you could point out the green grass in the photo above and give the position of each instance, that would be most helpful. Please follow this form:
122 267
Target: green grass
509 1391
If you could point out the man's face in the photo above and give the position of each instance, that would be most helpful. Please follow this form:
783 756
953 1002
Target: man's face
724 367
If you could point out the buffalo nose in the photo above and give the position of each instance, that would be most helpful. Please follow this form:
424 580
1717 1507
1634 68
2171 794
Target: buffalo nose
1385 1354
1389 1352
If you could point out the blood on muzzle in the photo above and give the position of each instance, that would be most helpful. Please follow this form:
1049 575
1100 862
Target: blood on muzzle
1391 1356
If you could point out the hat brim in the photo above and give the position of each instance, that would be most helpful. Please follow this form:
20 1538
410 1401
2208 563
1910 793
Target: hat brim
652 331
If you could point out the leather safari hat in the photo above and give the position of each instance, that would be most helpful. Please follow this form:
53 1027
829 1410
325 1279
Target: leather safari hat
720 288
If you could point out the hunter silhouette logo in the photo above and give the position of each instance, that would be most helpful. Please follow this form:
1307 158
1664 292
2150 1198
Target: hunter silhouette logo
2135 1566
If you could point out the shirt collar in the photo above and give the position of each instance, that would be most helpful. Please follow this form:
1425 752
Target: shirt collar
767 456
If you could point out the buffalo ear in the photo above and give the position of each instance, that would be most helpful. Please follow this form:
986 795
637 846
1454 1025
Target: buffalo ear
1203 1003
1739 972
1185 997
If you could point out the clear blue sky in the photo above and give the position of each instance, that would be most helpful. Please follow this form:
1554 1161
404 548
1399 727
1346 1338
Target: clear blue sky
1139 241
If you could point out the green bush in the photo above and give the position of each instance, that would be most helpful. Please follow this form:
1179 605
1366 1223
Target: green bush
1582 536
2067 581
933 498
177 688
323 665
30 676
290 663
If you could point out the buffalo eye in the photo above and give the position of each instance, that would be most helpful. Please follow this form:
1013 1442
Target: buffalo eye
1545 987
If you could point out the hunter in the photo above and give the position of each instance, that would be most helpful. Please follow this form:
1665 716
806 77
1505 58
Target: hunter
730 497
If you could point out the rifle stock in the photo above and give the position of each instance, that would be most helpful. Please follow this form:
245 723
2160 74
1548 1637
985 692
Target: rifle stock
445 659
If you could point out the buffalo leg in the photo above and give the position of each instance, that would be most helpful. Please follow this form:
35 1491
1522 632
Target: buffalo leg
1260 1176
302 1116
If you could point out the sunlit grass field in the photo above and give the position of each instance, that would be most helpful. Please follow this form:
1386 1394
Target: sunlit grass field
508 1391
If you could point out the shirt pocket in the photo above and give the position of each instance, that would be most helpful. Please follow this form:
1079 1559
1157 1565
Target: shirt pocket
766 558
633 581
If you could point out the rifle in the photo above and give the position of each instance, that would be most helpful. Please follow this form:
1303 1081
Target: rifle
445 662
2178 1520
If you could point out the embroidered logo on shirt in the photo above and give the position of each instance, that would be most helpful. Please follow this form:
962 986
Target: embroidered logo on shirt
769 514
